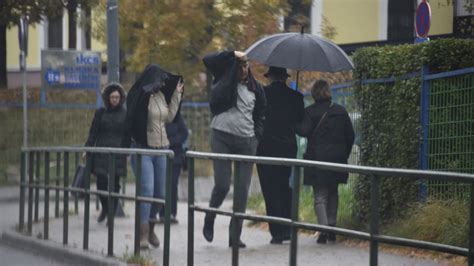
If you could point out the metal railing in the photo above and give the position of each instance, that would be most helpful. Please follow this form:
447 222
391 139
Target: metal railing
375 173
35 183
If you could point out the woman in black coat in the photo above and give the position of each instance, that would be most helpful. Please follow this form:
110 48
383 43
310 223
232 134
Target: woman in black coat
330 138
107 130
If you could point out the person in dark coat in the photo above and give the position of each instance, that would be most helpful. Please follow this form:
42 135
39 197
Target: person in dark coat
107 130
330 138
285 109
177 132
237 105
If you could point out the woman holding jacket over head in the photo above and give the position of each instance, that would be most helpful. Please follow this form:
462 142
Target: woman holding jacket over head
330 138
153 100
107 130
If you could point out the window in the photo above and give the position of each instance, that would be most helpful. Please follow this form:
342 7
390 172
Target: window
401 19
55 32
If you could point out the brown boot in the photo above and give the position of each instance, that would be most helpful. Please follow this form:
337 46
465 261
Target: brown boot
144 236
152 238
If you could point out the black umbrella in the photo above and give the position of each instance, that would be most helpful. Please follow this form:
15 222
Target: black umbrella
301 52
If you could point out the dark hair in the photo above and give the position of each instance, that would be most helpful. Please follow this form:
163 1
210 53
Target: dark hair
320 90
109 89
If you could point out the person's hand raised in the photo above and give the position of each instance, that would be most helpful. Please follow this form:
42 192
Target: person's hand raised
180 86
240 55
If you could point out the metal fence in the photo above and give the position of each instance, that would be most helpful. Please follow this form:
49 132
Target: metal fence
376 173
36 162
446 119
448 111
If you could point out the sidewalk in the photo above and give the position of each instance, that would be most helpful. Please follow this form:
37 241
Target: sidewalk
258 251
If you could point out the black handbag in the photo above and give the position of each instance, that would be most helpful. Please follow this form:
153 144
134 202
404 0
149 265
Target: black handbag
79 180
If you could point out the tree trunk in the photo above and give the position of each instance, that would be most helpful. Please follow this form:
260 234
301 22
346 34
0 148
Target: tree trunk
3 57
88 28
71 11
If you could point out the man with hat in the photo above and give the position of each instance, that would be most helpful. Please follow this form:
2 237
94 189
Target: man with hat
285 109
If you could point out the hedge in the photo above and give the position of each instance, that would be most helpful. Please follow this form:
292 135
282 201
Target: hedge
390 114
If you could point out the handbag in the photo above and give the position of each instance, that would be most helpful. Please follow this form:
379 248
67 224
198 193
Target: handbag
79 180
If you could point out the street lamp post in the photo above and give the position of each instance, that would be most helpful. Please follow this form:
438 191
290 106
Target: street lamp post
23 41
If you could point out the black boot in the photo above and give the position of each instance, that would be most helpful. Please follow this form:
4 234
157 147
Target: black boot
208 229
102 216
322 239
331 237
240 244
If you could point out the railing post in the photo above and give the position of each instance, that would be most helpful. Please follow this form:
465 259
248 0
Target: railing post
138 192
37 182
21 222
87 197
374 218
66 198
470 257
190 211
295 198
58 177
76 200
424 106
30 192
235 221
46 195
111 205
169 182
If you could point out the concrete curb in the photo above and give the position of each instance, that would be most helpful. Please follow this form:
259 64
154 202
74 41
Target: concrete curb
62 254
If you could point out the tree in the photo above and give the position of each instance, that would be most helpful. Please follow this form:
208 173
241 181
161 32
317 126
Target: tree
10 13
176 34
71 7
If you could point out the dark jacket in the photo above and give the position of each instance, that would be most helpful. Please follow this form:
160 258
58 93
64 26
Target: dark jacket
177 134
224 67
285 109
107 130
152 79
331 142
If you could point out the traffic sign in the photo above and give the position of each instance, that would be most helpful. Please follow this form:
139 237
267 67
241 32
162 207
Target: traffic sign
423 19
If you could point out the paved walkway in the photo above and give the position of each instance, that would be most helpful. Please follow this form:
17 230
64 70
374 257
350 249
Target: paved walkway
258 251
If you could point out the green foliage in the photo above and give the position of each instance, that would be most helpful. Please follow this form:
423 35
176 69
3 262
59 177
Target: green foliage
177 34
443 222
132 259
390 114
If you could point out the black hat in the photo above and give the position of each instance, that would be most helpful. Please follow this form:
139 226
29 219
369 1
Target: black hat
276 71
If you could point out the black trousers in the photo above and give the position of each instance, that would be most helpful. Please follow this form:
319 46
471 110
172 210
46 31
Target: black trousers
103 184
274 181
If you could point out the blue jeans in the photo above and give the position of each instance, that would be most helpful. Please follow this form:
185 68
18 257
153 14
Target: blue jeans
153 181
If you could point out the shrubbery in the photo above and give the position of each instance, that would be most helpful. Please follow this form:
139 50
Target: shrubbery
390 114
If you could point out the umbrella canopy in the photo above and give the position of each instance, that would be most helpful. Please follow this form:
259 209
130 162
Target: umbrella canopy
300 51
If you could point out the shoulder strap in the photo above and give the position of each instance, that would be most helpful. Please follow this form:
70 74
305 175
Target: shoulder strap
322 118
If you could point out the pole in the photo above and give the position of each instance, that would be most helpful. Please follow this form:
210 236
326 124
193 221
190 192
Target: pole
25 99
112 42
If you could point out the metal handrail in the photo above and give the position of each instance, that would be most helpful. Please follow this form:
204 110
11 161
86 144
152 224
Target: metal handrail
373 236
425 174
121 151
35 183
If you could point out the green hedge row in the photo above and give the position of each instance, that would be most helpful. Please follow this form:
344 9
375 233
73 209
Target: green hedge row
390 114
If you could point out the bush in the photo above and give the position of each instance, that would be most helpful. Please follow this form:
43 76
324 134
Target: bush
443 222
390 114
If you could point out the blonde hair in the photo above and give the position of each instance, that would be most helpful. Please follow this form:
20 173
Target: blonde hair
320 90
